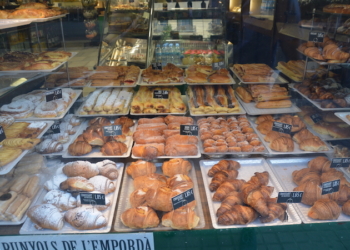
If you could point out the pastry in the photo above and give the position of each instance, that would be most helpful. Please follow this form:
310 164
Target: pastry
62 200
80 168
17 208
176 166
32 187
282 144
138 197
182 219
108 169
49 146
79 148
102 184
151 181
140 168
140 217
77 184
114 148
85 218
46 216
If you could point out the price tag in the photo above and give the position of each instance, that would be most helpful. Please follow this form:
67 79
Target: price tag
316 118
289 197
316 37
157 66
188 130
161 94
282 127
218 65
340 162
330 187
2 134
112 130
53 95
182 199
92 199
55 128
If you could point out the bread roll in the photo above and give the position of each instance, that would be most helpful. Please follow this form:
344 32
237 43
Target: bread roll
282 144
274 104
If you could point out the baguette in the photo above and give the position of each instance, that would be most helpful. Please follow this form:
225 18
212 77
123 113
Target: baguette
274 104
244 95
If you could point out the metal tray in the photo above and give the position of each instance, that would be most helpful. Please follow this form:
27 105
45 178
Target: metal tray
252 110
7 168
128 188
318 104
247 170
41 71
278 79
95 153
29 228
283 169
342 115
296 145
33 118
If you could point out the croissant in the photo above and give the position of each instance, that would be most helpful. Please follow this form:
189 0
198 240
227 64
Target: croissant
79 148
160 199
63 201
138 197
273 135
84 218
297 175
182 218
77 183
341 196
282 144
220 177
103 121
151 181
312 192
324 209
223 165
303 134
226 187
319 164
238 215
333 52
140 217
102 184
263 118
80 168
261 178
176 166
94 136
178 181
108 169
265 127
314 52
257 199
306 176
140 168
332 175
232 198
46 216
114 148
276 210
346 208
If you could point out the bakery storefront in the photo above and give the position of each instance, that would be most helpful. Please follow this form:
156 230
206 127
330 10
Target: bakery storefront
175 125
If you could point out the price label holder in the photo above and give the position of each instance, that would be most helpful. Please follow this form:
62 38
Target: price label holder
317 37
189 130
340 162
93 199
161 94
2 134
218 65
182 199
316 118
289 197
112 130
330 187
281 127
157 66
53 95
55 128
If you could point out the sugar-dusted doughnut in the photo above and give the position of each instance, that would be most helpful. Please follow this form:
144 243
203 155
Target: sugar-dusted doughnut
18 109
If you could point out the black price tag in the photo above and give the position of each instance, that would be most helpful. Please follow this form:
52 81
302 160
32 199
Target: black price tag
92 199
317 37
112 130
316 118
188 130
330 187
55 128
182 199
282 127
218 65
53 95
157 66
2 134
340 162
161 94
289 197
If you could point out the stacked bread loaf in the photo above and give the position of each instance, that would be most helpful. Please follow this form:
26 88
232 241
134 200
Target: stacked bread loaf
153 192
161 136
115 75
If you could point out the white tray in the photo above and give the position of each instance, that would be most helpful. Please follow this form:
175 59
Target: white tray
96 153
128 188
33 118
29 228
278 79
212 83
7 168
342 115
318 104
41 71
247 170
296 145
252 110
10 23
283 168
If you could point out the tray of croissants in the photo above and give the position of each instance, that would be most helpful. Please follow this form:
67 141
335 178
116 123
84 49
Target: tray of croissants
307 174
204 74
160 138
20 188
146 194
20 138
91 142
300 140
243 193
59 208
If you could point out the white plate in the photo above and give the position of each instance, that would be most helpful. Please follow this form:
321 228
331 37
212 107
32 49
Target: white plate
41 70
29 228
252 110
96 153
296 145
342 115
278 79
283 168
33 118
7 168
128 188
247 170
